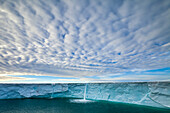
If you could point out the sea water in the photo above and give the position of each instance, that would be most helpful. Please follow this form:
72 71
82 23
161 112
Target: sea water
66 105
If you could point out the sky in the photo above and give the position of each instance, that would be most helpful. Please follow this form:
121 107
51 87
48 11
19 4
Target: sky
51 41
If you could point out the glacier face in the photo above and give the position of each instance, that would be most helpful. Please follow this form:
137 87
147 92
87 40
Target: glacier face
155 94
150 94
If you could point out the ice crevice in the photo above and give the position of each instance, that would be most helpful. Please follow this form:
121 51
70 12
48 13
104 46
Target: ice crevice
156 94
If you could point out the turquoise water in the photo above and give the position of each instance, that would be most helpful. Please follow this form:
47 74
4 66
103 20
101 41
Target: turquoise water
70 106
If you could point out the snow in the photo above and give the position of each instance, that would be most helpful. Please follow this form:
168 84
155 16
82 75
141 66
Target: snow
156 94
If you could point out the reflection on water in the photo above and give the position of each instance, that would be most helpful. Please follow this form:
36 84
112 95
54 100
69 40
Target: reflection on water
72 106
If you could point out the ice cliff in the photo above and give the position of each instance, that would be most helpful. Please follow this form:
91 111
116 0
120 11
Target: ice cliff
155 94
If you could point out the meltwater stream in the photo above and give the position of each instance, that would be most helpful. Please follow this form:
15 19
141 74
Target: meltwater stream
85 92
84 97
53 90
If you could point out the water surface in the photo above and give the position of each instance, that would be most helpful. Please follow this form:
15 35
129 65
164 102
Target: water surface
60 105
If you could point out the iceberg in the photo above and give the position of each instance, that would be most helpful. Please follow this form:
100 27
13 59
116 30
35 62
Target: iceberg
156 94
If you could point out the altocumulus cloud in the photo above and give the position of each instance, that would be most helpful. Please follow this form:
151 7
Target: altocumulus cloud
84 37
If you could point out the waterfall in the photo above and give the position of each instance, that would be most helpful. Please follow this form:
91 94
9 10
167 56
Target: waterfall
84 98
85 91
53 90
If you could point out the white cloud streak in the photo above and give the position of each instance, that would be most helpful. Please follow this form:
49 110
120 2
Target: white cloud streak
9 78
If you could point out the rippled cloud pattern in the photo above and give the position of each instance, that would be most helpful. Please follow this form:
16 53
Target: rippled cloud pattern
78 38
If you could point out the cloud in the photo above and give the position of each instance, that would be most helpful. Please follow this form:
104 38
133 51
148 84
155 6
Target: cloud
9 78
83 38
